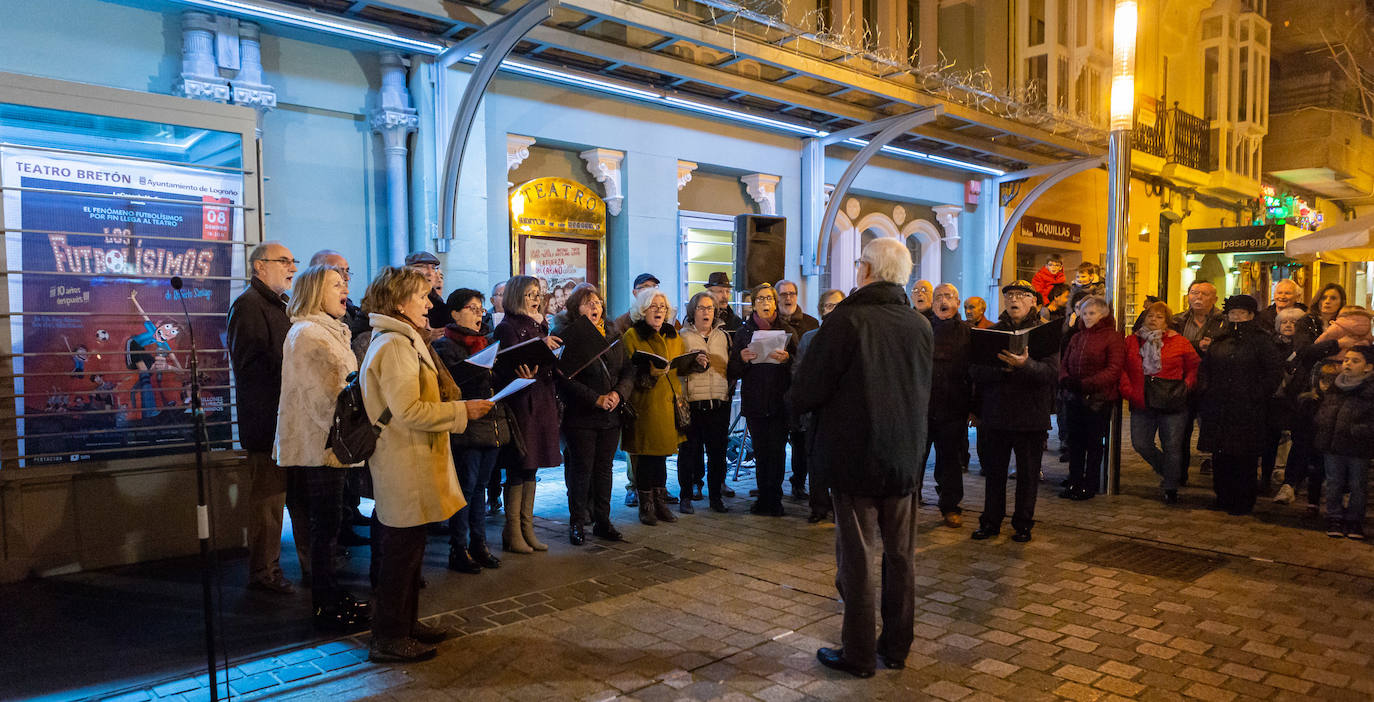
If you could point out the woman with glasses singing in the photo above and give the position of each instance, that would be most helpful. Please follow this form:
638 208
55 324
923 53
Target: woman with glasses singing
708 396
593 392
764 381
654 434
475 450
535 409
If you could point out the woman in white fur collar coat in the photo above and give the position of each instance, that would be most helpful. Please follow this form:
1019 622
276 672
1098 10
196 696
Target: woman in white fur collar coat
316 361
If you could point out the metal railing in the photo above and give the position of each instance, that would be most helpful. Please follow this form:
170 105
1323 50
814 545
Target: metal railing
1177 137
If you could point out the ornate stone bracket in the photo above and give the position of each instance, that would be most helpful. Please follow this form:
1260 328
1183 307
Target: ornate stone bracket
684 173
248 88
393 118
948 217
517 150
764 189
200 79
604 165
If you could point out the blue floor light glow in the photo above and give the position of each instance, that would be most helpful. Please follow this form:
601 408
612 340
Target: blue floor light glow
379 35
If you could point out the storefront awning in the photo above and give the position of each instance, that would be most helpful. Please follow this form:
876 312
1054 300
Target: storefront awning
1347 241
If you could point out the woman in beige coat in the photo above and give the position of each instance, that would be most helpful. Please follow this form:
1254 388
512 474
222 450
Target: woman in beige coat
316 362
413 479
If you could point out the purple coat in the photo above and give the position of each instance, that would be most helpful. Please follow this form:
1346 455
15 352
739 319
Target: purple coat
535 408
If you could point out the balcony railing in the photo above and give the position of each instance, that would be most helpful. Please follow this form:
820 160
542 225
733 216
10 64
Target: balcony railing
1176 136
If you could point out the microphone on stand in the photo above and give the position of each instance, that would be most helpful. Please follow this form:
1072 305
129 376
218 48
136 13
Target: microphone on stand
202 511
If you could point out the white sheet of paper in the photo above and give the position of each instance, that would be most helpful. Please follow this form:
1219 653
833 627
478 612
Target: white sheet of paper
487 357
765 342
515 386
496 318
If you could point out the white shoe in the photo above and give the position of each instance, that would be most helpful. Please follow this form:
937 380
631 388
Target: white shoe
1285 495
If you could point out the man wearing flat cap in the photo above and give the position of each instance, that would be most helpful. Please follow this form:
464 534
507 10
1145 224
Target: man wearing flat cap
1012 403
1239 373
428 263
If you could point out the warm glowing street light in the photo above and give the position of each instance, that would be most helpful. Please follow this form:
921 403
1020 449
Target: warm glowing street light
1123 64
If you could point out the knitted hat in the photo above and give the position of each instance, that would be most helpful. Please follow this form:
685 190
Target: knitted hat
1241 302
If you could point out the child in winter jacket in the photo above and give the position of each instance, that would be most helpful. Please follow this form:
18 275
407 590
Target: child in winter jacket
1049 275
1345 437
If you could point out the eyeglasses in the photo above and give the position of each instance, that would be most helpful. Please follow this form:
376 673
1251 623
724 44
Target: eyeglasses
1019 295
533 295
765 298
475 309
658 308
786 294
283 261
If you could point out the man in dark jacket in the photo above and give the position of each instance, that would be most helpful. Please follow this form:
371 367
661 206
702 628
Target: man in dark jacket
1012 405
950 394
801 323
257 328
866 379
1198 324
1285 296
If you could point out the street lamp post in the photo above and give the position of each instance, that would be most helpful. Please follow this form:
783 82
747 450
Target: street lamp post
1118 193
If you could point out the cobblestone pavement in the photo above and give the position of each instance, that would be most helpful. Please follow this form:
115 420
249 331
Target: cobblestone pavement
1116 598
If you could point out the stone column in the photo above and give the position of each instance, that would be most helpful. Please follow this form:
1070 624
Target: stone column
394 119
248 87
200 79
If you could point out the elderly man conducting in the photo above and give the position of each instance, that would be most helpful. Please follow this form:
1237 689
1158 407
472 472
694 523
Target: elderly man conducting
866 380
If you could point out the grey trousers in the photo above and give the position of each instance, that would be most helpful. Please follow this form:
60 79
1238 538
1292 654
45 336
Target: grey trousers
267 497
865 527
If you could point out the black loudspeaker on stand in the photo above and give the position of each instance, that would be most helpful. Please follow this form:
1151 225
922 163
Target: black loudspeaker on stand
760 249
207 557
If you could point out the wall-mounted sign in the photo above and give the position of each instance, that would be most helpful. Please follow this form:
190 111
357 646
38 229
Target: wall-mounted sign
1037 228
558 233
1236 239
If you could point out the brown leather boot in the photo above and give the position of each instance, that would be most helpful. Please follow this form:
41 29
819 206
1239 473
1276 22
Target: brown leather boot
646 508
661 506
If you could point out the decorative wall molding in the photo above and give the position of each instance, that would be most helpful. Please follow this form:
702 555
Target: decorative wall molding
248 88
684 173
763 188
200 79
948 217
604 165
517 150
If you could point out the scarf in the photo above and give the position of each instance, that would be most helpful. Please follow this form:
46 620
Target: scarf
1350 381
474 341
1151 344
601 325
448 390
761 323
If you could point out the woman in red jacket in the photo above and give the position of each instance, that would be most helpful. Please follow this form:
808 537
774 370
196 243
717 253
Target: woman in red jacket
1160 372
1089 375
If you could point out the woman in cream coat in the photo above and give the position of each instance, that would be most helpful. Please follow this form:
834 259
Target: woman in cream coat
413 479
316 361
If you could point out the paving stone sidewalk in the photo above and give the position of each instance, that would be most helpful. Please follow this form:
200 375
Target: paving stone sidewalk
1116 598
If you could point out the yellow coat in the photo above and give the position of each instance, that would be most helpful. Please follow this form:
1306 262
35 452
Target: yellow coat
654 431
413 479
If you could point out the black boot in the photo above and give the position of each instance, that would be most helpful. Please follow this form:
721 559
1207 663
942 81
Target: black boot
460 561
576 537
482 556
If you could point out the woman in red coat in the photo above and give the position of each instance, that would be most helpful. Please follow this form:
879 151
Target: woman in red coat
1089 375
1162 360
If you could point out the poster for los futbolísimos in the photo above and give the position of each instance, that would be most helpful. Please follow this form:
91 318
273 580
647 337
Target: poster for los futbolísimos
102 359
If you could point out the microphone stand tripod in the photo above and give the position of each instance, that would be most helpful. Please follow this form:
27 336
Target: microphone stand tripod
207 558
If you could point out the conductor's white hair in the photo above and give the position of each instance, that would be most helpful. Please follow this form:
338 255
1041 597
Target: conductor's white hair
645 298
888 260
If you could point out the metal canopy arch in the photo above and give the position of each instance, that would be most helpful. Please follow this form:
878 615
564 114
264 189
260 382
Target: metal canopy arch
891 128
1057 173
495 42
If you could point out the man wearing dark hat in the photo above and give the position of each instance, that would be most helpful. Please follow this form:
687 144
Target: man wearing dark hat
1013 402
718 284
428 263
1239 373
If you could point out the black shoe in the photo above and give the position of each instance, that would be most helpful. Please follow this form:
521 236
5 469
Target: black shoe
482 556
1082 494
1021 536
404 650
575 535
631 498
339 618
834 658
362 608
431 635
727 491
1067 493
892 663
1171 497
607 532
348 537
718 506
1065 483
460 561
985 532
800 494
